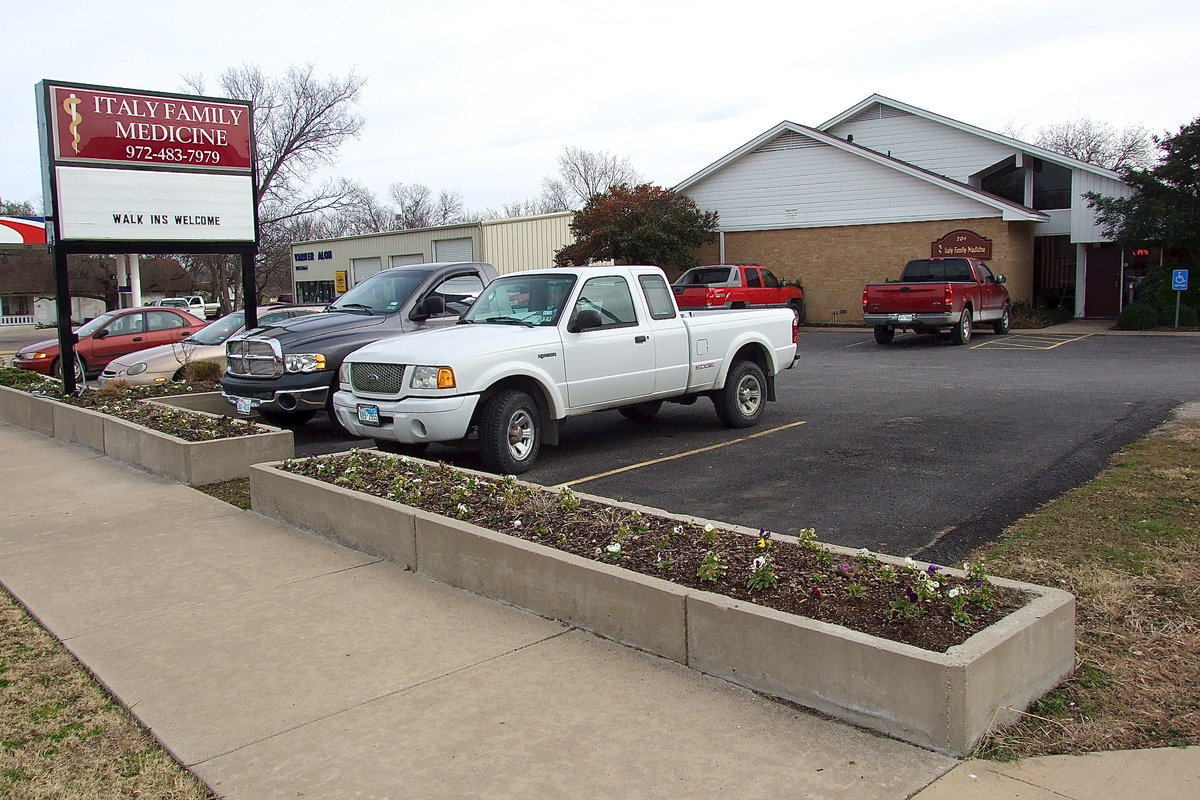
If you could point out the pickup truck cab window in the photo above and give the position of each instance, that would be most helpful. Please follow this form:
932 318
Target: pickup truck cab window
611 297
458 293
753 279
658 296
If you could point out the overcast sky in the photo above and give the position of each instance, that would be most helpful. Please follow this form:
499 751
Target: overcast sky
481 98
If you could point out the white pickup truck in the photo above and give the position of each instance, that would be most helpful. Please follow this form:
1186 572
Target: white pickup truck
537 347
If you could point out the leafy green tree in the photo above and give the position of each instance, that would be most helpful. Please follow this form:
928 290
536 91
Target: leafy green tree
642 224
1164 207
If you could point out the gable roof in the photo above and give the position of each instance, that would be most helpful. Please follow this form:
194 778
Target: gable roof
1009 210
1017 144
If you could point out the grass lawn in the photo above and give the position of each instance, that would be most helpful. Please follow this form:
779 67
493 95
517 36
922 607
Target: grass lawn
1126 544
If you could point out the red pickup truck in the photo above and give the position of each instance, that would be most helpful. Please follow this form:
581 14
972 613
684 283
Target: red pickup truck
735 286
938 293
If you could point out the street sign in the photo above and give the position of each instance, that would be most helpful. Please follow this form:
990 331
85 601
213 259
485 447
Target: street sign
1179 280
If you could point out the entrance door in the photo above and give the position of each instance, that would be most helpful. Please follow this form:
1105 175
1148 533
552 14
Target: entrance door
1102 281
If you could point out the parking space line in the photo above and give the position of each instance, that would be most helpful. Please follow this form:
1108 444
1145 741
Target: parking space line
684 454
1031 341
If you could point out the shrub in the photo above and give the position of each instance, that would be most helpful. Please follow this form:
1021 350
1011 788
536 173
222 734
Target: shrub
1138 316
1026 315
202 371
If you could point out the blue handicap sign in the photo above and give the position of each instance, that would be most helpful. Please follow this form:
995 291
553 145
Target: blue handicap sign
1179 280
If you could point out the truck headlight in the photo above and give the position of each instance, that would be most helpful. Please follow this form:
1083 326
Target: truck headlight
303 362
433 378
344 373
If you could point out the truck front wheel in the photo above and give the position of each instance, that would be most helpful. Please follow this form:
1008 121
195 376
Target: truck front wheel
962 331
510 432
740 403
1003 324
884 334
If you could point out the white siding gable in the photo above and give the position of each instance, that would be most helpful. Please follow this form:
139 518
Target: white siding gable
928 144
1083 219
794 181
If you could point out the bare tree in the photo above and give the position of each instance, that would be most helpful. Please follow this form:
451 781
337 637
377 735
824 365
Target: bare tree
416 207
300 123
1099 143
583 174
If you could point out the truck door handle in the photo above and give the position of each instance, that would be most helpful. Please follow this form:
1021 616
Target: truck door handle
641 338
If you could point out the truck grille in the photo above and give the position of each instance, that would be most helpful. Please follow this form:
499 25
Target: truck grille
377 378
254 358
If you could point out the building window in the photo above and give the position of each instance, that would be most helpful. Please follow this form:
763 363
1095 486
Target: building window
314 291
1051 186
1007 182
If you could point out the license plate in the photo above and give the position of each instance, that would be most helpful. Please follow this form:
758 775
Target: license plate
904 318
244 405
368 415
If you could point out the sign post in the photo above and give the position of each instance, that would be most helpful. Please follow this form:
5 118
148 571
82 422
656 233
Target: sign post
1179 282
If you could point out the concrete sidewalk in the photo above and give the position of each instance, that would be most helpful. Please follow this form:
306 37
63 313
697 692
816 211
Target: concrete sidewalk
277 664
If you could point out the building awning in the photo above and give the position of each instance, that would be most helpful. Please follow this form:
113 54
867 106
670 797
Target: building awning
22 231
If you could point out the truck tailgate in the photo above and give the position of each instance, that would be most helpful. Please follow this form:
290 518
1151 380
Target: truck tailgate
690 296
905 298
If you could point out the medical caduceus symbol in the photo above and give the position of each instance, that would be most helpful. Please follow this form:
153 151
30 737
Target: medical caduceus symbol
69 107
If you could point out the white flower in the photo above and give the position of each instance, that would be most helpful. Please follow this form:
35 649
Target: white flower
516 523
953 592
864 552
908 562
615 547
462 508
758 564
677 529
708 528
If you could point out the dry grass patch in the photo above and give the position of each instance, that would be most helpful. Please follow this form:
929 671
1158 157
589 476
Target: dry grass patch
62 736
1128 546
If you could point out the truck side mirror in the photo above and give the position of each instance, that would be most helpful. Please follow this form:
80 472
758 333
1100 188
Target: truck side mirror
431 306
586 320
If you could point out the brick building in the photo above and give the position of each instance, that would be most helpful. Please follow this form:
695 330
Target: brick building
848 202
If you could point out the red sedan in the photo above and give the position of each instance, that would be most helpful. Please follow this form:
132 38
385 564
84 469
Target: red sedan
110 335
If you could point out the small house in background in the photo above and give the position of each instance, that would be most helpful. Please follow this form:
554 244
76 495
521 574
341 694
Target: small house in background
27 285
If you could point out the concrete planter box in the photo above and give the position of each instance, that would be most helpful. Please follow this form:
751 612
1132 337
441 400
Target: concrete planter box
942 701
23 409
194 463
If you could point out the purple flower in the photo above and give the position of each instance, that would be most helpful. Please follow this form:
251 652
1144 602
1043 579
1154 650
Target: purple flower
910 593
933 569
816 592
845 570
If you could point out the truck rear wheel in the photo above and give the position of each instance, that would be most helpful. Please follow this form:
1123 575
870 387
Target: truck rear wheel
510 433
884 334
740 403
962 331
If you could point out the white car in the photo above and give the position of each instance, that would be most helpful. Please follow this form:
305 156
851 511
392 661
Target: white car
167 362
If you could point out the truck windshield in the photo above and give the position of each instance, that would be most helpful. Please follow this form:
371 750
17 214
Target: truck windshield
522 300
382 293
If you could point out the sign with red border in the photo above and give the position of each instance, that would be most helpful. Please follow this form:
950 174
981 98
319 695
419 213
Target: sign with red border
93 125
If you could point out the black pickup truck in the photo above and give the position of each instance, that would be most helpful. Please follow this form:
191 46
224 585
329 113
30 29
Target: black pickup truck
288 372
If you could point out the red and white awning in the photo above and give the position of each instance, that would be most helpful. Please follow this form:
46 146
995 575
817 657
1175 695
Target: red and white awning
22 231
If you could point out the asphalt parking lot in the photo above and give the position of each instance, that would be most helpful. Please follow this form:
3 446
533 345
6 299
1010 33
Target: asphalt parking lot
918 448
